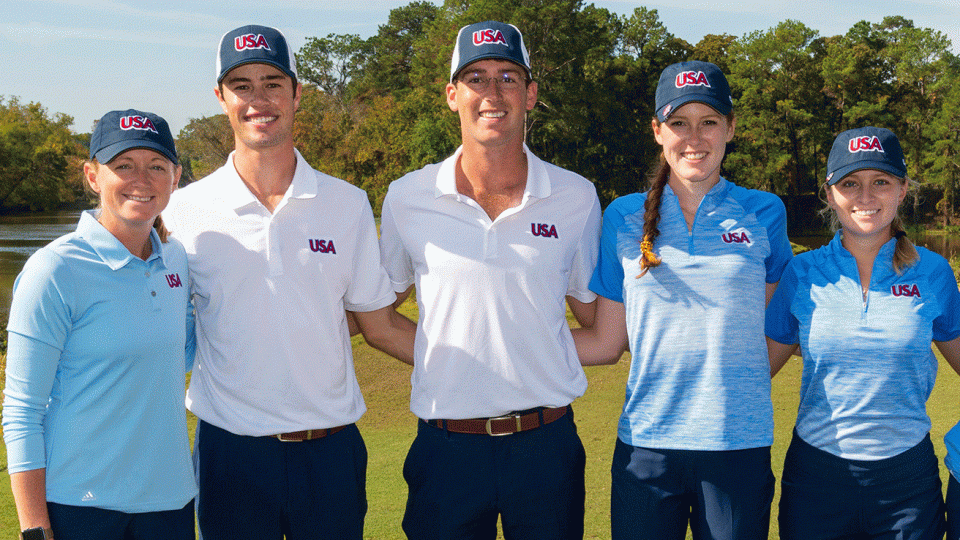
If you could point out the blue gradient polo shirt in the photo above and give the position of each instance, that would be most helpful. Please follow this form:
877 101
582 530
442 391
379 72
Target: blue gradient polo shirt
699 376
868 368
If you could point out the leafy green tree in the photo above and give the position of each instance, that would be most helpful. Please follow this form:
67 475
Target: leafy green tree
944 131
331 64
395 48
775 77
39 158
204 144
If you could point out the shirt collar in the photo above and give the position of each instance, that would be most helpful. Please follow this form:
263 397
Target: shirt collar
886 250
106 245
713 198
538 181
236 195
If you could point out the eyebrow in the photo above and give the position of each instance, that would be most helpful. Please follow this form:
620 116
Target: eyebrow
271 77
498 71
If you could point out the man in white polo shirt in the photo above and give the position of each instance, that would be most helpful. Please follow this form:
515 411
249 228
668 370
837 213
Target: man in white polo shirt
277 251
494 239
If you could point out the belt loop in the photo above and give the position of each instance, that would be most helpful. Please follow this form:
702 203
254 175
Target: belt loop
540 414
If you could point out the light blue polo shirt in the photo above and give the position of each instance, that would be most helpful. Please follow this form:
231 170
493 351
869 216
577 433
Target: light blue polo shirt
95 372
699 376
868 368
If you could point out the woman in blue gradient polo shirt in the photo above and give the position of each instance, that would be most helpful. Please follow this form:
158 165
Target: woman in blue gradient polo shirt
100 334
863 310
683 276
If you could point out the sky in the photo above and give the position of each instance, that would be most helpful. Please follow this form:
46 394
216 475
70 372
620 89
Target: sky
83 58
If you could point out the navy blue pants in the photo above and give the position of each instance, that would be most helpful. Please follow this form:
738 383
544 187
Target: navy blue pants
260 488
88 523
953 509
460 483
724 495
826 496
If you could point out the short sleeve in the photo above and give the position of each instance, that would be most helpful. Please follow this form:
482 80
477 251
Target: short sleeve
946 326
781 324
774 218
607 280
585 259
394 257
369 289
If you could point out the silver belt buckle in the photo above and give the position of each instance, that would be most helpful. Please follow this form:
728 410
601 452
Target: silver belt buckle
505 417
280 437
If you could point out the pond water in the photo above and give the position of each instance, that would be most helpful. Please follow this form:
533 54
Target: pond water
20 236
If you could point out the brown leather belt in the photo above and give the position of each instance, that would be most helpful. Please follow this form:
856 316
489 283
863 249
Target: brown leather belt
306 435
502 425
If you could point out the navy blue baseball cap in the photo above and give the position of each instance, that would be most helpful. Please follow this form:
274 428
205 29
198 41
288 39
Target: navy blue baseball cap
255 44
489 39
697 81
119 131
865 148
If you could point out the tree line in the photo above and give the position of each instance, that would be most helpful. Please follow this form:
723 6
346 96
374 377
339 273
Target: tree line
373 109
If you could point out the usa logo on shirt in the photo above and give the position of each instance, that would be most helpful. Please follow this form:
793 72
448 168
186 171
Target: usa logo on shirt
322 246
141 123
544 229
250 41
736 237
489 35
173 280
907 289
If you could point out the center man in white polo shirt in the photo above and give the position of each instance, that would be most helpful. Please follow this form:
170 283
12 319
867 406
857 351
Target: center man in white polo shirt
494 239
277 251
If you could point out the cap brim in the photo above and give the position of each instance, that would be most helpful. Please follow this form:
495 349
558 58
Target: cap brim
694 98
847 170
108 154
489 57
277 65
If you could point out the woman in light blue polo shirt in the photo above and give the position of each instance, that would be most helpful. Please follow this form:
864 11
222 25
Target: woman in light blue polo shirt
863 310
100 335
683 276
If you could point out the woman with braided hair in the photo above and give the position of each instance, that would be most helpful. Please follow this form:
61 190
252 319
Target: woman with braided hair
864 310
683 276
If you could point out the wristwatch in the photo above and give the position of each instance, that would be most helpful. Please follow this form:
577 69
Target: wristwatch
36 533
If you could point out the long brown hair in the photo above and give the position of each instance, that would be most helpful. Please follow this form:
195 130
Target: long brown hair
161 229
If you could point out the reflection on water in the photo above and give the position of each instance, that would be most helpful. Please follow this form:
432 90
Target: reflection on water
20 237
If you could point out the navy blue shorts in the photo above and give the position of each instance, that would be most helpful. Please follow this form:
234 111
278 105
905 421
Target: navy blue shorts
260 488
88 523
953 509
460 483
826 496
723 495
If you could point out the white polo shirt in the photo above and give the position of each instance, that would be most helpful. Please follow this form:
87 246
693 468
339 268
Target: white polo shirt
493 335
273 348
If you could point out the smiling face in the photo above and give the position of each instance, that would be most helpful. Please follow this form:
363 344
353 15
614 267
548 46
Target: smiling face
694 140
866 202
134 188
496 114
260 101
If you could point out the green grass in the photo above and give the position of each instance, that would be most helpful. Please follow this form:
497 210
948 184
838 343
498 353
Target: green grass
388 428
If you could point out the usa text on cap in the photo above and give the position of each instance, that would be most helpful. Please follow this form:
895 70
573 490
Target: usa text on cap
693 81
119 131
489 39
865 148
255 44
